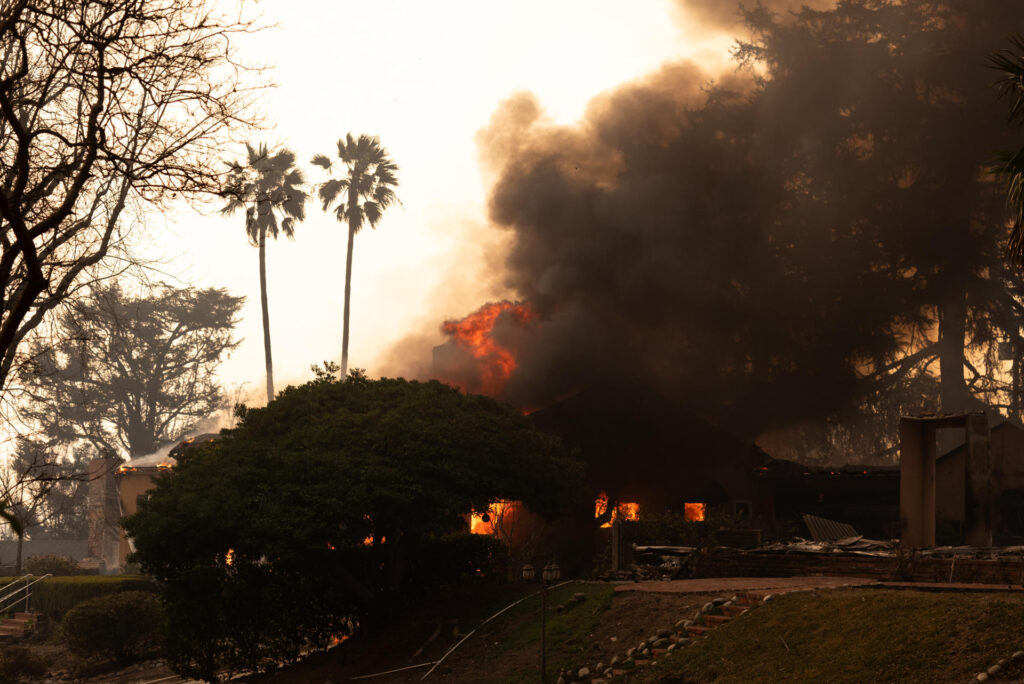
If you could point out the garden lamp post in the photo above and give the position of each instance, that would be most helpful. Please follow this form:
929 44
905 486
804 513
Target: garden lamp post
551 573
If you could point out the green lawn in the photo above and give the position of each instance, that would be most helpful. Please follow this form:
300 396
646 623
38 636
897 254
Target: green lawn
855 636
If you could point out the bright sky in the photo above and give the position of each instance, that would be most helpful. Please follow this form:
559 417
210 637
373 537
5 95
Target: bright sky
424 77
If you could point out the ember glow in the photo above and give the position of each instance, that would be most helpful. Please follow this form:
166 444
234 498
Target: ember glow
694 512
494 513
623 511
475 333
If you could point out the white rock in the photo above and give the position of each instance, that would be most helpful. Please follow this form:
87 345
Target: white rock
708 607
599 667
994 670
1018 655
584 672
982 677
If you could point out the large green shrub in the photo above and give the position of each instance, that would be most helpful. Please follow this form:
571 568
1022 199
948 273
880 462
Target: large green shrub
122 626
457 559
52 564
20 664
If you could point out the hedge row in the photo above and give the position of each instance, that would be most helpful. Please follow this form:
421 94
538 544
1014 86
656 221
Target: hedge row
55 596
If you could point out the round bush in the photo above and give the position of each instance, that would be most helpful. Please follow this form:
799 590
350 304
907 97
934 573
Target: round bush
121 626
52 564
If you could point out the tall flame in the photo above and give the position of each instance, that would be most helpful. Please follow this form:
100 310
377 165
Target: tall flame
475 334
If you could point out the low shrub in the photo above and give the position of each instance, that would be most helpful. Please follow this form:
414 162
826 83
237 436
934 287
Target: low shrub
122 626
52 564
19 664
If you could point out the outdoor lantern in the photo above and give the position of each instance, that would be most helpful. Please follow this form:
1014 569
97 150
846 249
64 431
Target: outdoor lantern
528 573
552 572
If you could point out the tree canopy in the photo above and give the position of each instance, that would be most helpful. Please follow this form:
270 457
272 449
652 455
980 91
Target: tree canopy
130 373
104 105
316 507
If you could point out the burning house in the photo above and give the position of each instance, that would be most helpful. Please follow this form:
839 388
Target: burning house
115 490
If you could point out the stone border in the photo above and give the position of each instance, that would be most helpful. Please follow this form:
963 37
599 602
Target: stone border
997 668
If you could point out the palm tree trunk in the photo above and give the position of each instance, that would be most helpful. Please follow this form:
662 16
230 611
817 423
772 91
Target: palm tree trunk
266 315
954 396
348 293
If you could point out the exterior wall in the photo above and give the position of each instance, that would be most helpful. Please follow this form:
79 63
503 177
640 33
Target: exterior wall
104 512
131 485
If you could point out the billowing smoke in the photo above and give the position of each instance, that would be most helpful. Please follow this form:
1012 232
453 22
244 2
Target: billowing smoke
728 15
775 244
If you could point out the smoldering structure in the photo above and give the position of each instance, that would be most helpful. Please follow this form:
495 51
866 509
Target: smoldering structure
811 239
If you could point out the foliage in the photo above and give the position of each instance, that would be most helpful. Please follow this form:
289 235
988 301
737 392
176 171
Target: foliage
1009 62
55 596
19 664
52 564
104 105
364 192
266 185
122 626
259 537
458 559
131 373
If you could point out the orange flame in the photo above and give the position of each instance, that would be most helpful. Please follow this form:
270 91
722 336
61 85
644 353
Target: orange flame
623 511
477 524
693 512
474 332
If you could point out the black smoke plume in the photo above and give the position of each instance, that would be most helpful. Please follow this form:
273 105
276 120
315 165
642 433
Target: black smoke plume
814 235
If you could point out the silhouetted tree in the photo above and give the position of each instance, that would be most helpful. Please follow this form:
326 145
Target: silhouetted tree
1009 62
131 373
42 488
264 186
104 105
366 189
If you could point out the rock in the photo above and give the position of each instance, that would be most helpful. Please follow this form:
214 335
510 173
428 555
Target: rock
609 672
708 607
646 653
583 673
1018 655
664 633
983 677
994 670
660 643
767 598
688 623
579 597
599 667
682 641
734 598
682 624
614 661
1002 662
630 652
671 647
613 639
718 601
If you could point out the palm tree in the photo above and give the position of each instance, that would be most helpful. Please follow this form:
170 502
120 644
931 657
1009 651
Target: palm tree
366 189
267 185
1009 62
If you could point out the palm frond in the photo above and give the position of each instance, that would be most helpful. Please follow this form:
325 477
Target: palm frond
321 160
1010 63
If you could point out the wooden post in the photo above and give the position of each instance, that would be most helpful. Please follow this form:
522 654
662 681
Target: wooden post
917 483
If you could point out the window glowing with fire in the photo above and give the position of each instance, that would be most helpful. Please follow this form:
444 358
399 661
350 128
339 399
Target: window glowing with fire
623 511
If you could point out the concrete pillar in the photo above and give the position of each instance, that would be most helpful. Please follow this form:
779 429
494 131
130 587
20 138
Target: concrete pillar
978 482
618 546
917 483
104 513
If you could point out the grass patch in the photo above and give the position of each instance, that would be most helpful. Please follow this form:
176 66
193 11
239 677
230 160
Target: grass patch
854 636
518 634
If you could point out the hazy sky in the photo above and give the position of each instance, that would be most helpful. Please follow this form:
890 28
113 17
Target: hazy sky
424 77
